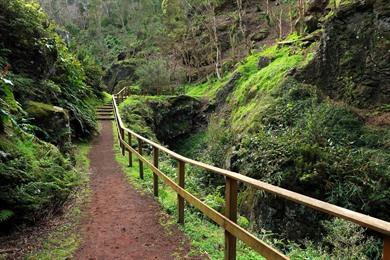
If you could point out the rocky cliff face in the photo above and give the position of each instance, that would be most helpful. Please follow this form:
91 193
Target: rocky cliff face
352 61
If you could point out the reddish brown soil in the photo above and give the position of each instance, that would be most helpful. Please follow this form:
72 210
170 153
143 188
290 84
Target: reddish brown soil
121 223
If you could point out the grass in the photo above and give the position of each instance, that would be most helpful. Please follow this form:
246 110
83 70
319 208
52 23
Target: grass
64 240
205 236
95 102
206 89
106 97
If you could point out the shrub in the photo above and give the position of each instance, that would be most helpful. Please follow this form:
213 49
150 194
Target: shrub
35 179
154 76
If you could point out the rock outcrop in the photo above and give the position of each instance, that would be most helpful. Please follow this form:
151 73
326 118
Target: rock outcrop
352 61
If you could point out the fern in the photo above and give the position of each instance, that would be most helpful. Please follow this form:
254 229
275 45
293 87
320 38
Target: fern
5 214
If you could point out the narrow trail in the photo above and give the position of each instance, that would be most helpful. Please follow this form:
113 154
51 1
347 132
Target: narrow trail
121 223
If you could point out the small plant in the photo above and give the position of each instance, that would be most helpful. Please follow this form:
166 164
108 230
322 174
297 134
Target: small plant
5 214
348 241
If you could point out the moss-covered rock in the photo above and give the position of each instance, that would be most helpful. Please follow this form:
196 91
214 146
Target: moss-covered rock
163 118
53 123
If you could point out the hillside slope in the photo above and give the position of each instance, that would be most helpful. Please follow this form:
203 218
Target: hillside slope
280 116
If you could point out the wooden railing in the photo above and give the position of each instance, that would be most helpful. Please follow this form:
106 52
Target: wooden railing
228 220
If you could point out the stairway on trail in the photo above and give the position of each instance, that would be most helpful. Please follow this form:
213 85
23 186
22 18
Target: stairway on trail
105 112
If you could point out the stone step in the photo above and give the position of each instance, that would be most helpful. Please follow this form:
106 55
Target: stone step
105 118
105 113
105 109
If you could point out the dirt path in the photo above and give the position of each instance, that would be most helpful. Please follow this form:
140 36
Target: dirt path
120 222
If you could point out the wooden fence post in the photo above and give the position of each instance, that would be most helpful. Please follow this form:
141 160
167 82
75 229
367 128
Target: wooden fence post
141 164
180 200
122 131
386 248
155 177
230 213
130 153
118 132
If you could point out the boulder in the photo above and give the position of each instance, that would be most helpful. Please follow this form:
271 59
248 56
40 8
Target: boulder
53 124
263 62
316 6
175 117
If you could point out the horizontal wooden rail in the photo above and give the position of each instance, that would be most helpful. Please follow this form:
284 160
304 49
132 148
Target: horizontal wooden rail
217 217
228 221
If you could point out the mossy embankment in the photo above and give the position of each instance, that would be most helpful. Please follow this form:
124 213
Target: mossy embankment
46 104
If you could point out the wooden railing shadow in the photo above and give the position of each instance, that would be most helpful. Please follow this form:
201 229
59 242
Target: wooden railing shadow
228 220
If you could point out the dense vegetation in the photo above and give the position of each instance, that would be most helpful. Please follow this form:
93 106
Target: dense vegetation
46 100
290 92
271 118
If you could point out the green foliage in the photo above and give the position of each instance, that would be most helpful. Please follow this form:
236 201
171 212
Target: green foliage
93 71
136 114
306 145
348 241
42 68
8 105
154 76
35 178
222 141
207 89
65 239
283 132
191 146
104 29
5 214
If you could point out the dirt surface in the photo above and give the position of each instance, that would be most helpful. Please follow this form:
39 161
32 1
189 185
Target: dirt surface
122 223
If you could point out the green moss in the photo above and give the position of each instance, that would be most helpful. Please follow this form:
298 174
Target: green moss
34 176
253 91
107 98
267 78
42 109
207 89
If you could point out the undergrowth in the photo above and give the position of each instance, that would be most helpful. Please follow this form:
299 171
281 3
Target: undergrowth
64 240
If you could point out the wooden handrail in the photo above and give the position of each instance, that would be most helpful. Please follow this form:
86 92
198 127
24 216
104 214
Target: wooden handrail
228 222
